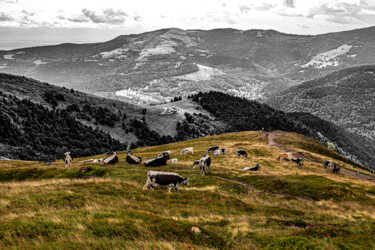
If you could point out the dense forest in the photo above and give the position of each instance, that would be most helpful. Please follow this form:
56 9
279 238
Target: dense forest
35 132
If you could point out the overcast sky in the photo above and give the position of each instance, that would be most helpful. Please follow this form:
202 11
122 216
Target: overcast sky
94 20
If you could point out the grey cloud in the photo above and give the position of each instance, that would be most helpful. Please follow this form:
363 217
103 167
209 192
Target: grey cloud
244 9
108 16
5 17
264 7
289 3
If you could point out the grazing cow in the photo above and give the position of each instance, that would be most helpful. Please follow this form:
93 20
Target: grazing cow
187 150
212 149
299 162
285 156
241 152
256 168
196 164
132 159
165 153
159 161
205 164
224 151
217 152
68 160
174 161
328 164
155 178
336 169
111 159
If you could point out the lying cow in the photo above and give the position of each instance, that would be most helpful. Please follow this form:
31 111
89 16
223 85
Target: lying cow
336 169
224 151
111 159
241 152
217 152
165 153
256 168
94 161
174 161
155 178
132 159
212 149
205 164
68 160
159 161
285 156
299 162
187 150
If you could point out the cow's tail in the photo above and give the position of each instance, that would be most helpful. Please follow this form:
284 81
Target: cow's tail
148 183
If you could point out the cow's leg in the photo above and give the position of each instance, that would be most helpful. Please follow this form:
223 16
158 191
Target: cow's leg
176 187
152 184
169 188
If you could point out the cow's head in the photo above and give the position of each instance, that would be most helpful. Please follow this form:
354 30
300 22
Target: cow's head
186 182
67 153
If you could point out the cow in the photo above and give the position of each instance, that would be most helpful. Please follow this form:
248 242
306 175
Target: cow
336 169
328 164
285 156
155 178
241 152
256 168
165 153
174 161
205 164
187 150
196 163
299 162
132 159
68 160
94 161
212 149
217 152
159 161
224 151
111 159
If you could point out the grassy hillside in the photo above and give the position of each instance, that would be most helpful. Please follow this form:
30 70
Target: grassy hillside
280 206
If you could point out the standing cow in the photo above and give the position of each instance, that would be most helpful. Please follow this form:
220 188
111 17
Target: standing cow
205 164
217 152
68 160
241 152
328 164
155 178
187 150
299 162
336 169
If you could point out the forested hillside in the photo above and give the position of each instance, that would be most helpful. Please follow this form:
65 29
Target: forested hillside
30 131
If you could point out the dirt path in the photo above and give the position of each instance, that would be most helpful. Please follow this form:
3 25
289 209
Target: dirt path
272 143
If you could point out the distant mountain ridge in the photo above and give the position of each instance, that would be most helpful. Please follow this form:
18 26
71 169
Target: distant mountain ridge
345 97
156 66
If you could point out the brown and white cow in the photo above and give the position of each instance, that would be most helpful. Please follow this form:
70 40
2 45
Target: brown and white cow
285 156
68 160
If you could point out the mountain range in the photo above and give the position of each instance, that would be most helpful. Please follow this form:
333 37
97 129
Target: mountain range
154 67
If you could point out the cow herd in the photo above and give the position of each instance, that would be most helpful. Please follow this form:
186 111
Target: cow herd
155 178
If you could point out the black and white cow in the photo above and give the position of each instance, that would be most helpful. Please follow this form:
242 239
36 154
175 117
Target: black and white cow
328 164
111 159
299 162
241 152
224 151
155 178
336 169
132 159
169 152
205 164
212 149
256 168
159 161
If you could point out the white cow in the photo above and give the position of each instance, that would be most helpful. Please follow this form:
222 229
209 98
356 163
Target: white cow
217 152
68 160
174 161
187 150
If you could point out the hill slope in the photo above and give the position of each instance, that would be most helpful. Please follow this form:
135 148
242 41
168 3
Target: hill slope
279 206
155 66
345 97
32 132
